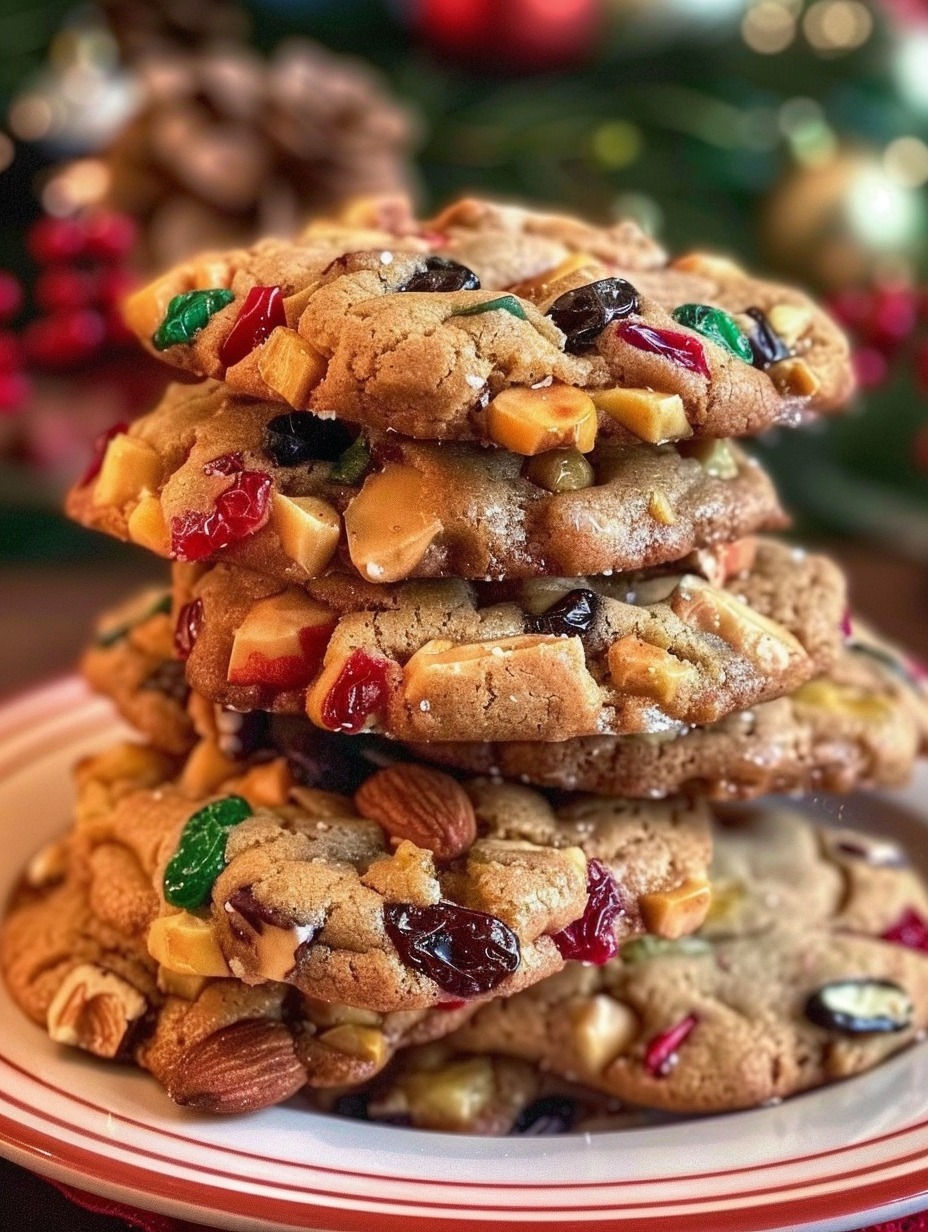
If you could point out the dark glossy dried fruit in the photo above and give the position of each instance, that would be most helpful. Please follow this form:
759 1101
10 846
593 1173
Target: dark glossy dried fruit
860 1007
319 758
592 939
441 274
301 436
551 1114
466 953
239 735
661 1051
187 629
583 313
766 344
572 615
247 915
262 311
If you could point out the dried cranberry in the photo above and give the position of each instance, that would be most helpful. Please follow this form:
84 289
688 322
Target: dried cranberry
592 939
300 436
766 344
573 614
246 915
466 953
682 349
441 274
583 313
361 690
661 1051
237 513
187 629
551 1114
262 311
225 464
911 929
99 450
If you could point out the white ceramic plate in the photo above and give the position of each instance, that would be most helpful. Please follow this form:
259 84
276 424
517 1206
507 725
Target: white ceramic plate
827 1161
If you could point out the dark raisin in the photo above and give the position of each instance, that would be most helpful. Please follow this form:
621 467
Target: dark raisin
440 274
592 939
187 629
551 1114
300 436
573 614
168 678
466 953
767 346
860 1007
242 907
583 314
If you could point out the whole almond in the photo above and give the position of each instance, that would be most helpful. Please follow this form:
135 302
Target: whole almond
242 1068
424 806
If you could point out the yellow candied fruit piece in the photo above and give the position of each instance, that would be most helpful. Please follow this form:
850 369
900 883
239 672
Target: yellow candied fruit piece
674 913
532 421
186 945
651 416
308 529
131 468
794 377
144 310
601 1029
147 526
290 367
644 670
390 525
365 1043
845 700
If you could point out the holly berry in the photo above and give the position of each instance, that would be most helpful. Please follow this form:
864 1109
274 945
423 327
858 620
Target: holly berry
62 287
56 239
65 338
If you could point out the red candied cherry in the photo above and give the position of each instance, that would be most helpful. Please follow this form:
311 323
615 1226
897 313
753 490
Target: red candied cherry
661 1051
682 349
15 388
187 629
109 236
289 670
11 296
361 689
97 453
262 311
911 929
592 939
237 513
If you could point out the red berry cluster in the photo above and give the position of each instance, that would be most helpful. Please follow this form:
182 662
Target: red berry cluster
84 275
14 384
883 322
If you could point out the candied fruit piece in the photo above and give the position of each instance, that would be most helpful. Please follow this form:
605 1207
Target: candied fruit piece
717 326
767 346
237 513
466 953
360 690
201 851
682 349
911 929
661 1052
262 311
98 453
583 313
187 314
592 939
442 274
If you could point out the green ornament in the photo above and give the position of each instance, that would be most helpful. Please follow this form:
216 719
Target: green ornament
643 949
717 326
136 612
201 853
352 464
187 314
503 303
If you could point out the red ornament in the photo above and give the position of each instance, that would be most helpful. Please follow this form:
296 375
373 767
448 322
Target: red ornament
262 311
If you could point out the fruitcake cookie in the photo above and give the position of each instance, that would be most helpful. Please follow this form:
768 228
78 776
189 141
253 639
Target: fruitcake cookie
418 892
548 660
862 724
810 967
388 508
416 343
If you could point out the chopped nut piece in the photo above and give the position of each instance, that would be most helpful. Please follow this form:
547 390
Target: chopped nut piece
845 700
131 468
94 1009
407 876
186 945
366 1043
186 987
290 366
794 377
661 509
329 1014
267 785
308 529
644 670
674 913
531 421
651 416
450 1098
390 525
790 321
767 644
601 1029
148 528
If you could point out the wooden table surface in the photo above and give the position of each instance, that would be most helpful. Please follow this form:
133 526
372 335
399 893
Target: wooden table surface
45 618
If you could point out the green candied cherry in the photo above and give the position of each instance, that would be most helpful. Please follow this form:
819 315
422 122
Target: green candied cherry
352 465
717 326
201 853
503 303
187 314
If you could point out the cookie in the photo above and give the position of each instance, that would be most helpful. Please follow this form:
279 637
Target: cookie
861 725
414 342
810 967
449 661
419 892
454 510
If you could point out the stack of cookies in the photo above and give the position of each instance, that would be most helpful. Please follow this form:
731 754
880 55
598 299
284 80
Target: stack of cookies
465 493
